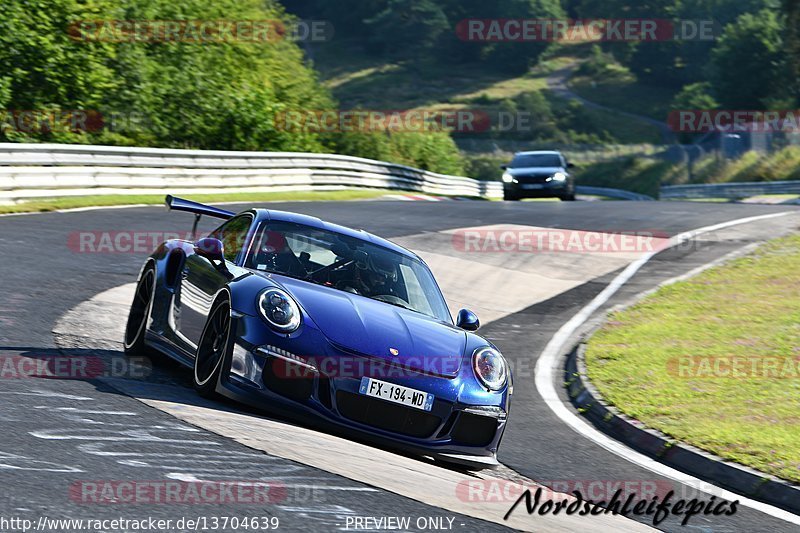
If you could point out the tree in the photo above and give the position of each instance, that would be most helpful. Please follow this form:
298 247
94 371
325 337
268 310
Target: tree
671 61
695 96
518 57
791 9
43 69
407 28
748 61
189 94
348 22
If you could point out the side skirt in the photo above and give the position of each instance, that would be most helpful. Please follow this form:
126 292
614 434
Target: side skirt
168 348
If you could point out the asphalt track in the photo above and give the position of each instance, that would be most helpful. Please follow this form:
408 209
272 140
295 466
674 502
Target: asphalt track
57 432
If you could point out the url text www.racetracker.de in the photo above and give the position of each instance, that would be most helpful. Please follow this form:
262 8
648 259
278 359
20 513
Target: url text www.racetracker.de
658 509
196 523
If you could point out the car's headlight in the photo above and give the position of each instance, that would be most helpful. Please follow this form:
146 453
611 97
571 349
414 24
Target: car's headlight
490 367
507 178
279 309
559 176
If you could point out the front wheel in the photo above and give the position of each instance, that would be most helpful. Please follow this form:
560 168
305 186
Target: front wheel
212 349
139 314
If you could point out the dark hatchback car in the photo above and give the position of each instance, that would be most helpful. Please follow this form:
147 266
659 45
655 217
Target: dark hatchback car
538 175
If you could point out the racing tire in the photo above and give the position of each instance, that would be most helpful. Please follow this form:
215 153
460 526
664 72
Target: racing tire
212 349
139 314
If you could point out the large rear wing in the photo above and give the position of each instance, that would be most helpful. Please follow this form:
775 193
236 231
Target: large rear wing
179 204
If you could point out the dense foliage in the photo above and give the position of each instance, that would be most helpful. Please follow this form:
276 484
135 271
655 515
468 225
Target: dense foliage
426 29
229 95
753 59
210 95
753 62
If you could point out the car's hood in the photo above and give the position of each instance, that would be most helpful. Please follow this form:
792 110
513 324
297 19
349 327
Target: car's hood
536 171
374 328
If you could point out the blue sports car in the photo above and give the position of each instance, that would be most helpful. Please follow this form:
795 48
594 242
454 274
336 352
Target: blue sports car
325 324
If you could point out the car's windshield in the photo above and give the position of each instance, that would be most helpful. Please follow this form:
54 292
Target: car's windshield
536 160
348 264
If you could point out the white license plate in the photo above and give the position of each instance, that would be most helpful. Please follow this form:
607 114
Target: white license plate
396 394
532 186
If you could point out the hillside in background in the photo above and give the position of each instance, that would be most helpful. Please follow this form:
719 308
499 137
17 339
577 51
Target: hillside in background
603 103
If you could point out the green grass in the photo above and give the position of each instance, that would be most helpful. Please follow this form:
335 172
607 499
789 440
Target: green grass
632 174
702 200
72 202
645 175
749 308
764 199
752 166
776 198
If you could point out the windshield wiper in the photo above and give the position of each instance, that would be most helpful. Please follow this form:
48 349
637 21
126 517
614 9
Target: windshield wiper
396 304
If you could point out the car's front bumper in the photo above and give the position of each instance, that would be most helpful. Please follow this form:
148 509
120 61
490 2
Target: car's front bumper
464 425
536 190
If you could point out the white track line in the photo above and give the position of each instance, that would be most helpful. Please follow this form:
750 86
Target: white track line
547 369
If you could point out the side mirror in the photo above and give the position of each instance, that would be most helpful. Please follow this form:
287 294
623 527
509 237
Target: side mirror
504 167
213 250
467 320
570 165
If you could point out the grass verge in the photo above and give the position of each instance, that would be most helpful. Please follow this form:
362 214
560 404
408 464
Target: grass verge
73 202
635 174
714 361
783 165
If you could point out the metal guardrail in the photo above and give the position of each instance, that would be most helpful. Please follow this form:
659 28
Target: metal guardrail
46 170
729 190
613 193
